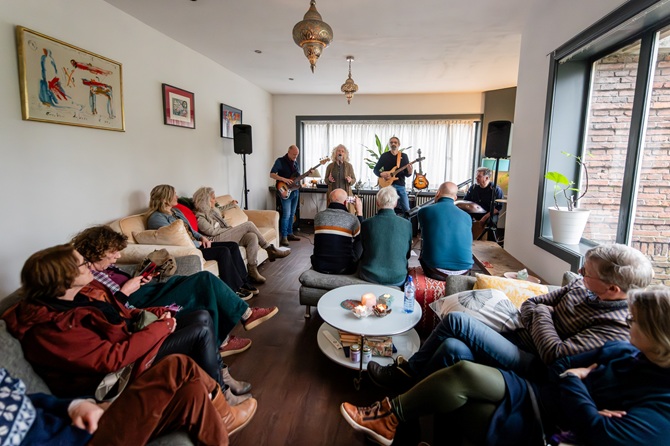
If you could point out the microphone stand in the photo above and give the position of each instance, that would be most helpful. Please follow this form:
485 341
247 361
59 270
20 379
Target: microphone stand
492 226
246 191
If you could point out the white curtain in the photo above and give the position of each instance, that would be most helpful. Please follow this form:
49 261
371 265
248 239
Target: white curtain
447 145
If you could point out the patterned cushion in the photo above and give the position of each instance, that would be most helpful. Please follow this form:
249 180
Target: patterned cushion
517 290
490 306
18 412
427 291
173 234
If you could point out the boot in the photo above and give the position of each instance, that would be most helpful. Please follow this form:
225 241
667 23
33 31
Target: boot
234 417
254 274
283 242
237 387
274 253
234 400
377 421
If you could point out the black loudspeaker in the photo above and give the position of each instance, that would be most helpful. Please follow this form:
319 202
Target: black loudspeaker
242 139
498 139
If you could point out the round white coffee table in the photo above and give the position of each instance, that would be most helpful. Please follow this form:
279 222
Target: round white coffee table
397 322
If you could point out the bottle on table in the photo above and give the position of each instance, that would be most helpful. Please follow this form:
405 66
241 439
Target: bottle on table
410 290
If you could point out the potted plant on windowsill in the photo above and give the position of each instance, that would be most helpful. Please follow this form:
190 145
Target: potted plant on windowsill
568 222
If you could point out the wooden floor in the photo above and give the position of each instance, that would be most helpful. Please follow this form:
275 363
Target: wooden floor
299 390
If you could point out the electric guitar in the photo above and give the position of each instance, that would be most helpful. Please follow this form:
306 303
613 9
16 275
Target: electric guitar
383 183
420 181
284 190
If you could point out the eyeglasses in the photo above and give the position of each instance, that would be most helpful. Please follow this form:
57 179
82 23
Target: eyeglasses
85 263
630 319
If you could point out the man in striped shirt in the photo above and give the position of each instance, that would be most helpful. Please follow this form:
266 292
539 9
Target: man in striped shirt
573 319
337 241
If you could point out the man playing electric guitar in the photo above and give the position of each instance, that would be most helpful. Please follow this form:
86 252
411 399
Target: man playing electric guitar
389 160
285 169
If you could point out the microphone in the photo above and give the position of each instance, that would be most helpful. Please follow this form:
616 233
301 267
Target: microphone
339 156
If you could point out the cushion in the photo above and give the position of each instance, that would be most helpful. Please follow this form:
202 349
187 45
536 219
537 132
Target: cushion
516 290
173 234
13 360
190 216
235 216
490 306
18 412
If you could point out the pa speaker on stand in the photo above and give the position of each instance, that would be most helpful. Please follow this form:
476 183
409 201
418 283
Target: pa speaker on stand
498 140
242 146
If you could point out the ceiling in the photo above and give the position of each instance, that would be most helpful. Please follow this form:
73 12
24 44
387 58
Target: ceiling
400 46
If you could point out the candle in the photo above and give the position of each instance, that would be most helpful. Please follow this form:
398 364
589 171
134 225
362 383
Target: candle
369 300
361 311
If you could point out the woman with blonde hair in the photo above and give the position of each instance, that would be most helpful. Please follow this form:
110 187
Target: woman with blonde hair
340 173
212 224
617 394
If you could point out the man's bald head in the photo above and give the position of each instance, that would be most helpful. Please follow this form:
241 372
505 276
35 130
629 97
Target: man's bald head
338 196
448 189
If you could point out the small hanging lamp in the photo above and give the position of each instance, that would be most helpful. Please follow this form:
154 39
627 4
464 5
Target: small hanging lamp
349 87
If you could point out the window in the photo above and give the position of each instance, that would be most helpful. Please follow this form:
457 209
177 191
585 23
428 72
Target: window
450 146
610 104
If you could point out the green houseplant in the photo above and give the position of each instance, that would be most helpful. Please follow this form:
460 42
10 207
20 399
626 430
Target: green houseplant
568 222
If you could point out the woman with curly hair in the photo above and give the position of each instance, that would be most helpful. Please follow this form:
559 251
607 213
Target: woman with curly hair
340 173
101 246
213 225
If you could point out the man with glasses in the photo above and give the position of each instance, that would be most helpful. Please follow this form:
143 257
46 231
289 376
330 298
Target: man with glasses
482 193
578 317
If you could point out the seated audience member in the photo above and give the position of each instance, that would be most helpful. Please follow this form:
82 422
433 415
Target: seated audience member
482 192
387 242
162 212
337 241
579 317
616 394
212 224
73 341
181 397
446 236
101 245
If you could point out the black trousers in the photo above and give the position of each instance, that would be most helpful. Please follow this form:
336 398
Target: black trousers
231 266
195 337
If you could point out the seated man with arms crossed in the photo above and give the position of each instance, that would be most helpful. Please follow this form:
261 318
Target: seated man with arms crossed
576 318
337 241
446 236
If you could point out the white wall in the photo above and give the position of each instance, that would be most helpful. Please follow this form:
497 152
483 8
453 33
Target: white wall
58 179
550 25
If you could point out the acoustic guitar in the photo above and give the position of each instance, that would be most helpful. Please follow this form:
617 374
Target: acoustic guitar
383 183
420 181
284 190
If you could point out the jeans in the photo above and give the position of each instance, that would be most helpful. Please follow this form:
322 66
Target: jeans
288 207
403 201
462 337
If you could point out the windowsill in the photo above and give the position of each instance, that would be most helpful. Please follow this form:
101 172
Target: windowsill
573 254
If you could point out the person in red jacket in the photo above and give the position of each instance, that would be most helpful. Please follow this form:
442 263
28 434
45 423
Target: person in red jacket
73 341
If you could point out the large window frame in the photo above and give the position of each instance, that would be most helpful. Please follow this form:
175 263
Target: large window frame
565 122
477 118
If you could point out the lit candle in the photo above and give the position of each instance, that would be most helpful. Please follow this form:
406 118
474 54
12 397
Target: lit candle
361 310
369 300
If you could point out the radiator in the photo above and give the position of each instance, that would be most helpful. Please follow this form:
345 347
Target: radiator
370 204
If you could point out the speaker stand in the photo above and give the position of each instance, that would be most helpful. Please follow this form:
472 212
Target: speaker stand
491 225
246 191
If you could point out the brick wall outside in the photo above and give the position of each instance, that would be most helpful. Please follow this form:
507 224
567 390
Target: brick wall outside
607 139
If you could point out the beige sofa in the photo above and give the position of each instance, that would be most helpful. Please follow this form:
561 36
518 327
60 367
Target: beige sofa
176 240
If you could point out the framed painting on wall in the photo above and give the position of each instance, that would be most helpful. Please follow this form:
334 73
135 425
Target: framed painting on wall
178 107
229 117
63 84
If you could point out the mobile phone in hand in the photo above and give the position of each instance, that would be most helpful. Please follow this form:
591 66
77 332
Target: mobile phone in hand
148 270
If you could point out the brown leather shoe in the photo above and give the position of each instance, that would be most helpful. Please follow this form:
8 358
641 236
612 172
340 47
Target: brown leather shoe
235 417
237 387
293 238
254 275
377 421
274 253
283 242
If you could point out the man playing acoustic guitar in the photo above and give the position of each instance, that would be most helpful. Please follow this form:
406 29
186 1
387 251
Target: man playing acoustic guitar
284 170
395 159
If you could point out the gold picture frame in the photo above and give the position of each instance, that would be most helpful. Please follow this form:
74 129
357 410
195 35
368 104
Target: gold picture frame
63 84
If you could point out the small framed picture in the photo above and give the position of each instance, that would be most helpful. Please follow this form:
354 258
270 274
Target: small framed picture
229 117
178 107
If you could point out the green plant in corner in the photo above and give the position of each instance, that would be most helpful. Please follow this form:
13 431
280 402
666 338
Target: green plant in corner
375 154
563 185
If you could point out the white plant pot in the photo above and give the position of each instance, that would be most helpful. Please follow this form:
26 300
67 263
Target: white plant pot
567 226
